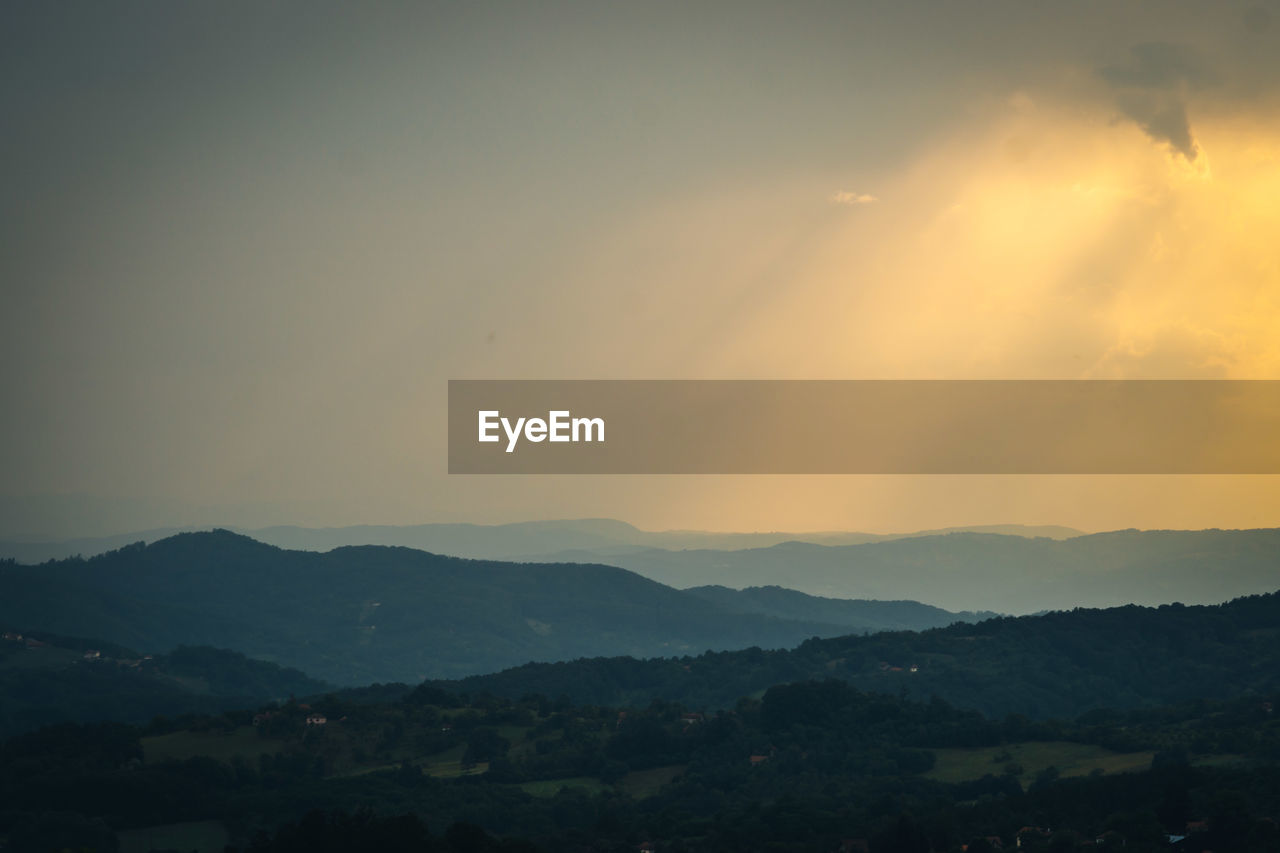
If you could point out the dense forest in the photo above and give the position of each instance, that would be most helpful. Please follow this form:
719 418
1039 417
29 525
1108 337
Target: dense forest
809 766
1053 665
46 678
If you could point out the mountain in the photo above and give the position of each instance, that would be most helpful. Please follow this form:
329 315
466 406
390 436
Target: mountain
1008 574
534 540
1054 665
859 615
366 614
41 550
589 539
47 679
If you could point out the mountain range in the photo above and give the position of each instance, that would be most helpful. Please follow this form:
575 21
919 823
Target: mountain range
527 541
358 615
984 571
1007 569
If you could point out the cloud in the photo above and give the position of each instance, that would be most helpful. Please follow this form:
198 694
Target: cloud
1163 119
1151 90
847 197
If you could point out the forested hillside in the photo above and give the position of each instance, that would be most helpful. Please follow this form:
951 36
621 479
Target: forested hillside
366 614
859 614
46 679
1054 665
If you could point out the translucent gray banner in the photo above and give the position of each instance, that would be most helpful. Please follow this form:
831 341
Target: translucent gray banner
864 427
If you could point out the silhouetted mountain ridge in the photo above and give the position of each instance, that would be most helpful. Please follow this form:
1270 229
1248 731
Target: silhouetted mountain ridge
363 614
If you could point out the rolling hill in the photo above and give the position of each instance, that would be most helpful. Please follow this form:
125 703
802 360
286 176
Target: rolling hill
367 614
858 615
1055 665
47 679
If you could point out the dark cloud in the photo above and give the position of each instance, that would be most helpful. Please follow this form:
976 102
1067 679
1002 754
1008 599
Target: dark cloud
1163 118
1151 90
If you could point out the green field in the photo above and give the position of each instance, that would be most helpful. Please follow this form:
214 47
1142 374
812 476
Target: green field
448 764
638 783
223 746
203 836
451 769
551 787
443 765
1071 759
646 783
515 734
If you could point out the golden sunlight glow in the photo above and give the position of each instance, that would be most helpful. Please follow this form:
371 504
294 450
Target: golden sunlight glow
1049 245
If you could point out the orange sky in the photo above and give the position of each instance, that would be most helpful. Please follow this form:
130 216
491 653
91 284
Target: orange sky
245 247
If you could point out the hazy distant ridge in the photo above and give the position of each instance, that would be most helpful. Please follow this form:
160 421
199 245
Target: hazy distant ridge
590 538
1007 574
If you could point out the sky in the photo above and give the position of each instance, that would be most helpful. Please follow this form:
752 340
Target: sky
243 246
